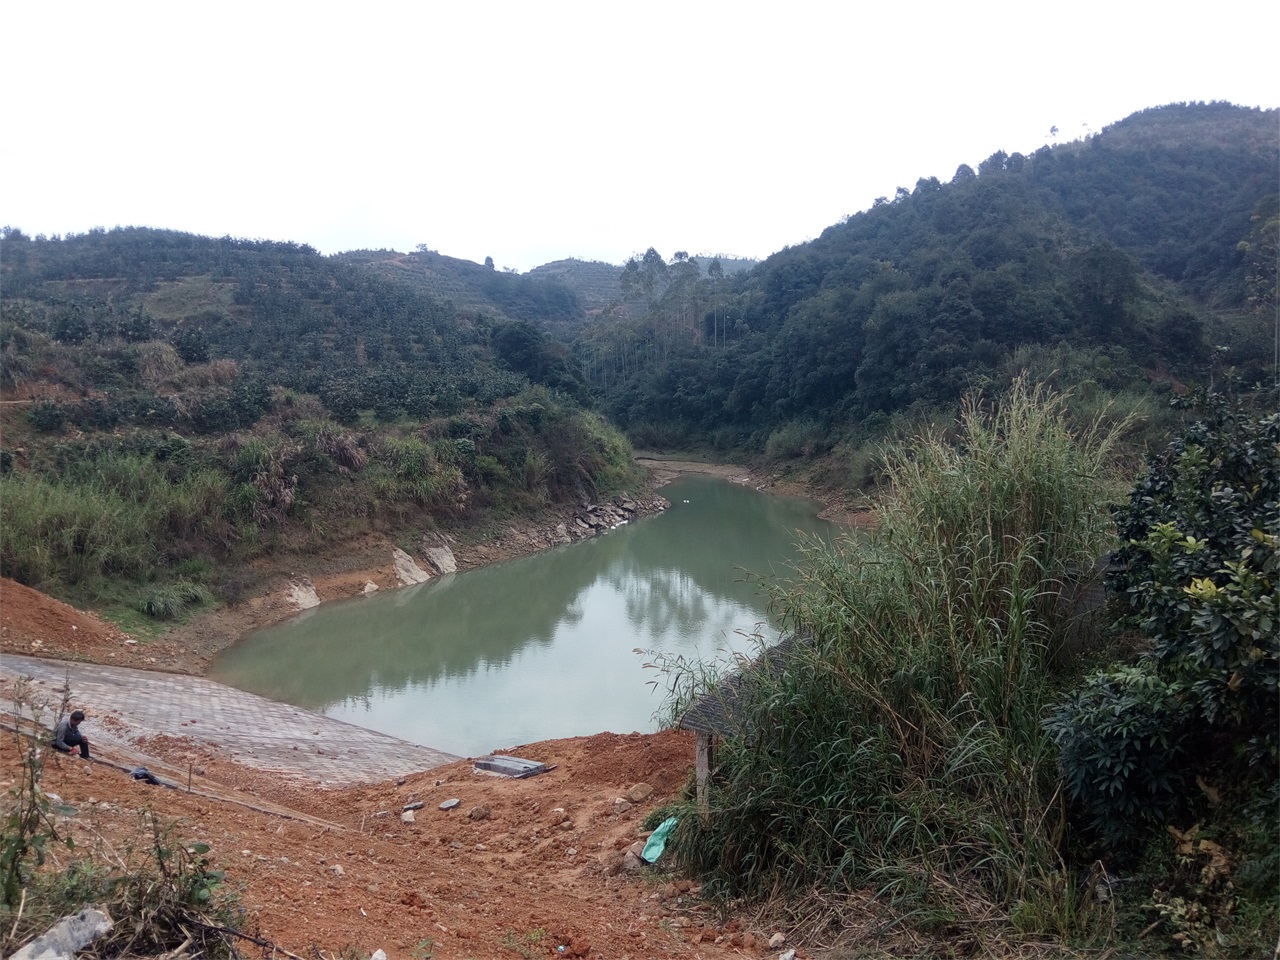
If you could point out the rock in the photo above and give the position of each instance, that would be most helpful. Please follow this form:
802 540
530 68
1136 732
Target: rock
440 557
415 805
338 871
632 863
379 954
639 793
369 587
450 803
636 849
787 955
479 813
621 805
407 817
302 594
67 937
777 940
407 571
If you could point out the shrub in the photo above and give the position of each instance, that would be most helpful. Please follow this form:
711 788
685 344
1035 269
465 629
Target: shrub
1123 737
47 416
1199 572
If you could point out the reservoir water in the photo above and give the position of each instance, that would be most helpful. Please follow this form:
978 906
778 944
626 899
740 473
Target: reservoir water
545 646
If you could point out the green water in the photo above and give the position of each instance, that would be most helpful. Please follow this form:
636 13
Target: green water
542 647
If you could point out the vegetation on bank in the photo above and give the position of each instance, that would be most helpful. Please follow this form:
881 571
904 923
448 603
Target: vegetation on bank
924 759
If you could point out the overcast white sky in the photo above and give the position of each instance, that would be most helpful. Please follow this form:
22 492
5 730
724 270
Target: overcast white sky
535 131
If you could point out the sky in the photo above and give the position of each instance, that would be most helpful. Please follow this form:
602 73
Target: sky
531 132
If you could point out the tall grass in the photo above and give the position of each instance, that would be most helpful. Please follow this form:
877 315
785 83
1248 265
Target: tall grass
71 534
115 516
899 747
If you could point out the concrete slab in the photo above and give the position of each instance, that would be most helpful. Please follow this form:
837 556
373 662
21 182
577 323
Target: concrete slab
256 732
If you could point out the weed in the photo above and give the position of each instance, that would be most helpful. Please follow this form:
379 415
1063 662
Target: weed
29 820
524 943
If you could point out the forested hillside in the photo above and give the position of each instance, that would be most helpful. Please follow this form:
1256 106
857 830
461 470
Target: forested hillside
1140 257
178 405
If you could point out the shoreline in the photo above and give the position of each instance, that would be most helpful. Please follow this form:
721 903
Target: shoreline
363 566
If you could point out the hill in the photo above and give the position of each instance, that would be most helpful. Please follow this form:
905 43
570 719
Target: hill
178 406
474 289
1129 261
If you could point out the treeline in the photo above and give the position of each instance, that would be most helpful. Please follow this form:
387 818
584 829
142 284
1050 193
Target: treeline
1143 254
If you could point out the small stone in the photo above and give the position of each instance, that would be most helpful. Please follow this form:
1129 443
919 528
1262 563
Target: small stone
777 940
621 805
407 817
338 871
787 955
479 813
450 803
639 793
416 805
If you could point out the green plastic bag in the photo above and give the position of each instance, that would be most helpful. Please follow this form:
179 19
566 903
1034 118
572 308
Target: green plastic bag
658 840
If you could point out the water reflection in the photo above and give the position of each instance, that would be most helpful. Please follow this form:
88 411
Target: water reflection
540 647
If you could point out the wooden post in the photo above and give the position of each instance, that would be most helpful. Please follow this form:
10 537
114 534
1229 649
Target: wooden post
703 768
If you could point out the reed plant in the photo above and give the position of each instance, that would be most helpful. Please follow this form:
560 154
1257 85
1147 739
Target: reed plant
897 745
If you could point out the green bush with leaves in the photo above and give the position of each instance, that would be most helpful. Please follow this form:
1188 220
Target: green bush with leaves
1123 736
1199 571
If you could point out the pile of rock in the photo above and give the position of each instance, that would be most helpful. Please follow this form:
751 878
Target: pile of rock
586 521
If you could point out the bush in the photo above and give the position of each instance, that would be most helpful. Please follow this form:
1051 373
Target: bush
1199 573
47 416
1123 737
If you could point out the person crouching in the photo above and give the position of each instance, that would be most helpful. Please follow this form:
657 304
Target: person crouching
67 735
